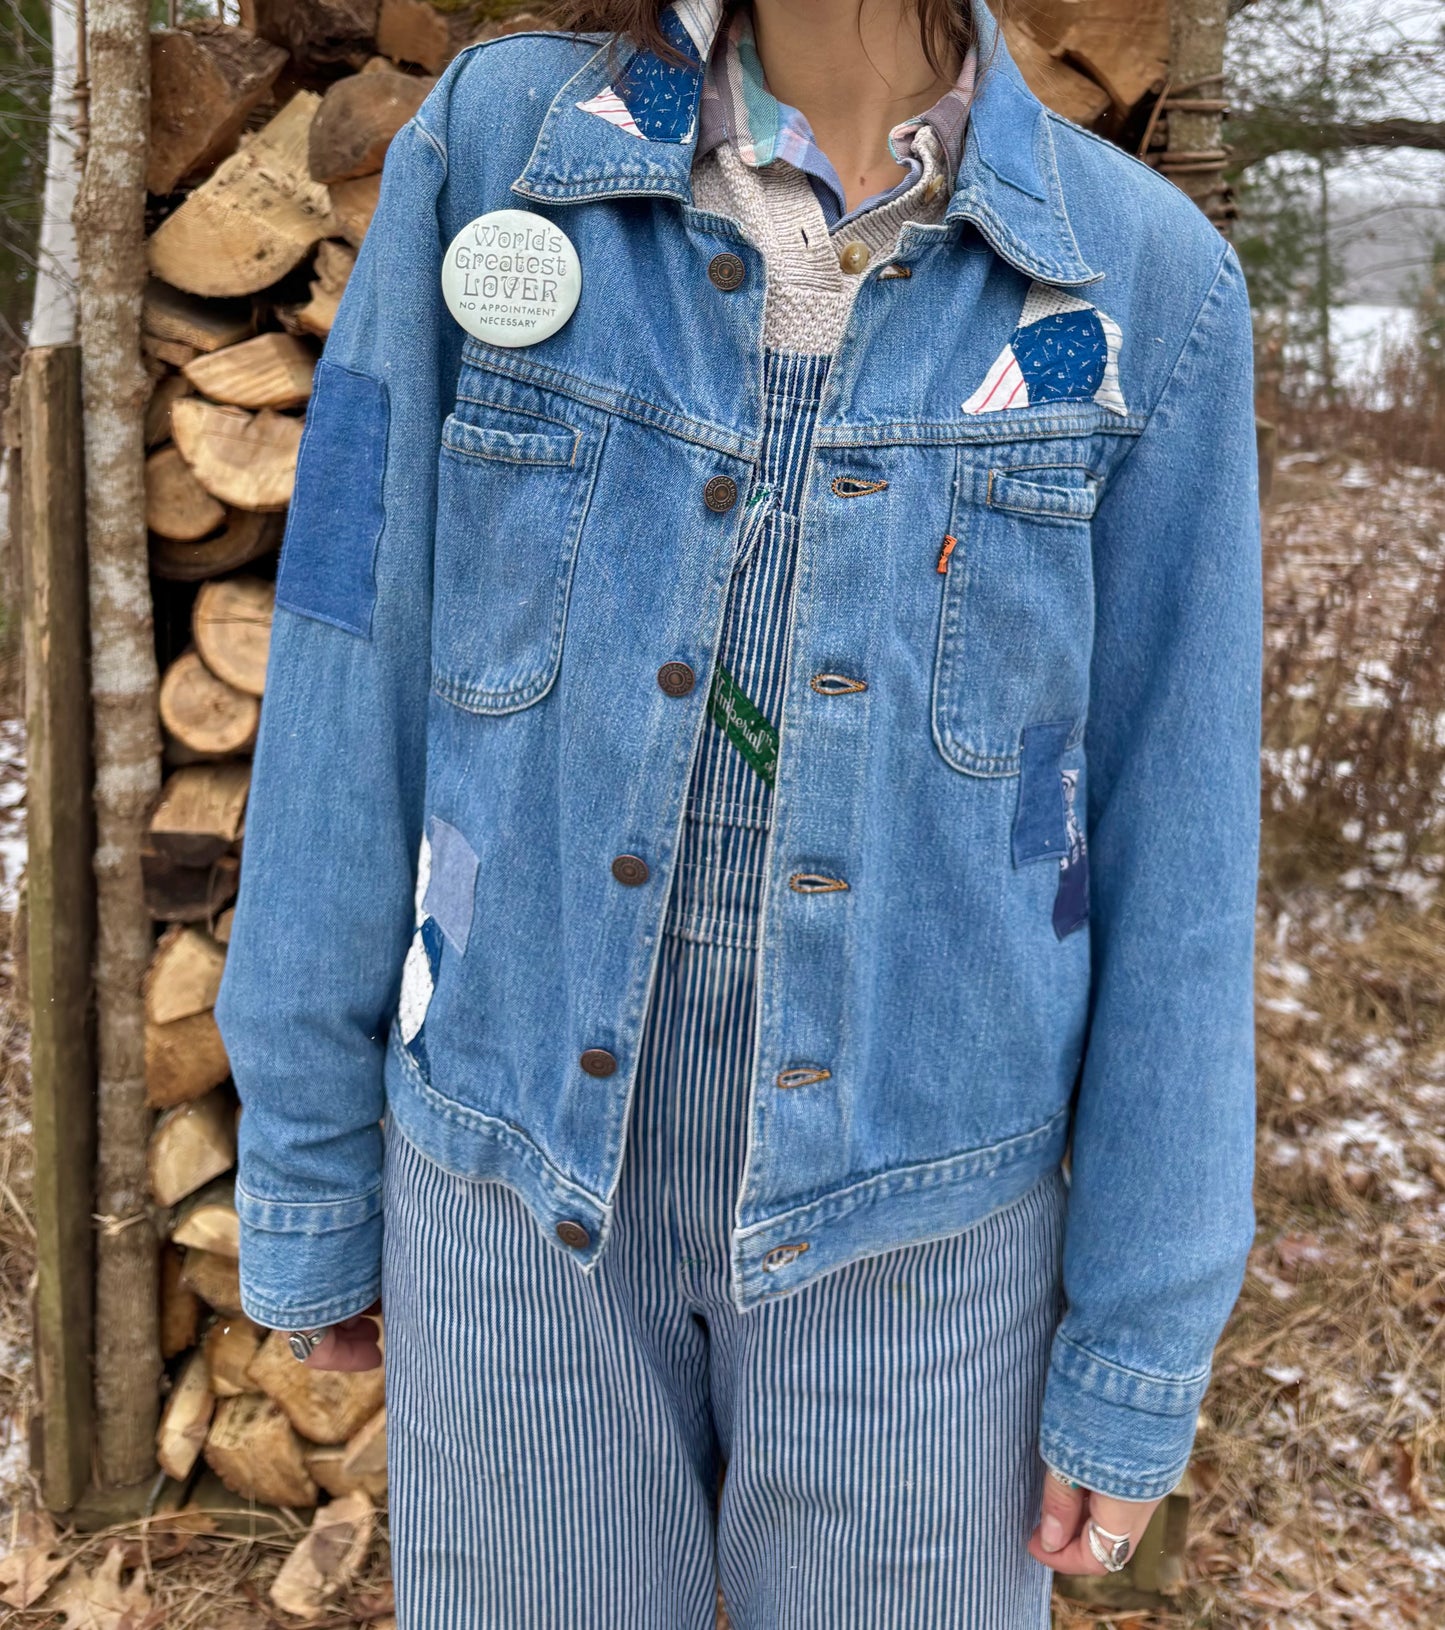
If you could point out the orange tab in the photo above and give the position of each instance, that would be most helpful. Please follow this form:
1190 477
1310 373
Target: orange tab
950 543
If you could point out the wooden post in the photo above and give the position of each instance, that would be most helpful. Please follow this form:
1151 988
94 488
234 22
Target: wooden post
61 898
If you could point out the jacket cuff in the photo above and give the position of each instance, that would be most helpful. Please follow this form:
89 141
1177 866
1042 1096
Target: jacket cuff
1117 1431
306 1264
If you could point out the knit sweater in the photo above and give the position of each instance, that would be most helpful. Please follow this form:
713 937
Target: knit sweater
809 291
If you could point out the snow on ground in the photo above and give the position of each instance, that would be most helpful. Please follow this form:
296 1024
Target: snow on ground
12 811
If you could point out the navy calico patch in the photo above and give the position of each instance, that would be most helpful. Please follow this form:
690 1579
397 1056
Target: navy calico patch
1071 900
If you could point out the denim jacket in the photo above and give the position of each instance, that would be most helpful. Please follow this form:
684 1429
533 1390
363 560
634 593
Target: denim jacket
1019 745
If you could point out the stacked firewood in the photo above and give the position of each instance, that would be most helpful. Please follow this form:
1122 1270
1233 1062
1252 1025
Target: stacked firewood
265 162
1101 63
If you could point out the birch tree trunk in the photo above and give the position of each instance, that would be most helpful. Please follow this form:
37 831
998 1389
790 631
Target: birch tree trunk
110 222
54 314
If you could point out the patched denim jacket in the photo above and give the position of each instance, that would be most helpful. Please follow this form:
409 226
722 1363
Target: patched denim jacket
499 603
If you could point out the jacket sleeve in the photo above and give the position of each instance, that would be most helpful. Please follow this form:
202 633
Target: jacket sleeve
333 823
1160 1211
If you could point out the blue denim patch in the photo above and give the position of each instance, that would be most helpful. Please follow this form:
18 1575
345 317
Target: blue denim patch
328 555
451 883
1038 829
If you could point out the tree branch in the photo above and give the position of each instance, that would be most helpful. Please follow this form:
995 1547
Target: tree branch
1284 130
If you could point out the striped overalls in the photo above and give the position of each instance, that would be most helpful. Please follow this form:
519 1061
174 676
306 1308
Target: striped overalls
558 1441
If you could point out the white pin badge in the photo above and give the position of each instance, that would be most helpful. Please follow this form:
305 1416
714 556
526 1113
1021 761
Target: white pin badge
511 278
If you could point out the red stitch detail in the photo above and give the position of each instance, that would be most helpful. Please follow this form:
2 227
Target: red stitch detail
950 543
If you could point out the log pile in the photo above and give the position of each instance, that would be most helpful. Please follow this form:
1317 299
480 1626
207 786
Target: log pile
266 148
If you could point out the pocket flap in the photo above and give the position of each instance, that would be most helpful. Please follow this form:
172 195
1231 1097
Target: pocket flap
1016 492
511 446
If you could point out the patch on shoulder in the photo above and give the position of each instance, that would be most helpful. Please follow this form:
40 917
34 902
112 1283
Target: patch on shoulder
1062 350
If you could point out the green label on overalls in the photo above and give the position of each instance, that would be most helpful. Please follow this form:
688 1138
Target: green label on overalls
743 725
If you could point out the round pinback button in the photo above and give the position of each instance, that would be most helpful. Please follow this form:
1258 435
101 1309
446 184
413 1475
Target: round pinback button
511 277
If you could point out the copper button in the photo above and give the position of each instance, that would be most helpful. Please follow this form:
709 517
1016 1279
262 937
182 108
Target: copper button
720 494
854 257
676 678
574 1234
598 1061
726 271
630 869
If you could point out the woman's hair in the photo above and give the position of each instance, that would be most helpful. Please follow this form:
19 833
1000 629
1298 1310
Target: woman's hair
945 26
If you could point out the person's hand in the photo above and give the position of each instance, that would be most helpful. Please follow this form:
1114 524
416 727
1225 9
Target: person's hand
1061 1540
354 1344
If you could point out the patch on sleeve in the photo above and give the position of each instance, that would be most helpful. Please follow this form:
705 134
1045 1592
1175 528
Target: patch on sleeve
654 99
1039 821
419 970
452 882
327 568
1063 350
1071 901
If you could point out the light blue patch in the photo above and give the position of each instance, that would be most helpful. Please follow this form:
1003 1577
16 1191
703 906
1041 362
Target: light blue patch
662 96
451 886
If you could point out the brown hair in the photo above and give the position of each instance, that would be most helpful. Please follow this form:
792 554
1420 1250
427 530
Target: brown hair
944 26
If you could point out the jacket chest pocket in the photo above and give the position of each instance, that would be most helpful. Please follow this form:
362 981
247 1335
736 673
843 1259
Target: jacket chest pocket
1017 611
513 488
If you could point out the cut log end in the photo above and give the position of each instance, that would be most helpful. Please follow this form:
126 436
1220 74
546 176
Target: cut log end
247 460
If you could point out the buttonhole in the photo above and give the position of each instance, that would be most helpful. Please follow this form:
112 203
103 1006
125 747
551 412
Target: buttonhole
895 271
781 1255
803 1075
850 486
816 883
837 685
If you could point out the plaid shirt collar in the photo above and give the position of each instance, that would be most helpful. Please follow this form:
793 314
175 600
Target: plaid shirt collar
736 106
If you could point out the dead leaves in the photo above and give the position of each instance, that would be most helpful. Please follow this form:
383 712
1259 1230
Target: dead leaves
27 1570
99 1601
328 1557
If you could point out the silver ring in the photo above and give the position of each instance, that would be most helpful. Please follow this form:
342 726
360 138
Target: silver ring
305 1342
1058 1477
1111 1550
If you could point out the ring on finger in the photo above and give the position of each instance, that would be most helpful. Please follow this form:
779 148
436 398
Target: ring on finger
1067 1482
1111 1550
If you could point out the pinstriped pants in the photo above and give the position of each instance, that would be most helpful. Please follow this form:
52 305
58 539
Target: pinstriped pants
556 1442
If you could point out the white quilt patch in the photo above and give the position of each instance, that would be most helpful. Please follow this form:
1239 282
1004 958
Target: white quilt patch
609 105
416 975
1062 350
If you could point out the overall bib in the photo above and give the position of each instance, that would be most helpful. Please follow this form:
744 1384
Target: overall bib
558 1441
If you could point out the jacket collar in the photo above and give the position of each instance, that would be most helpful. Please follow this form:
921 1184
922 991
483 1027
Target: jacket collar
625 125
